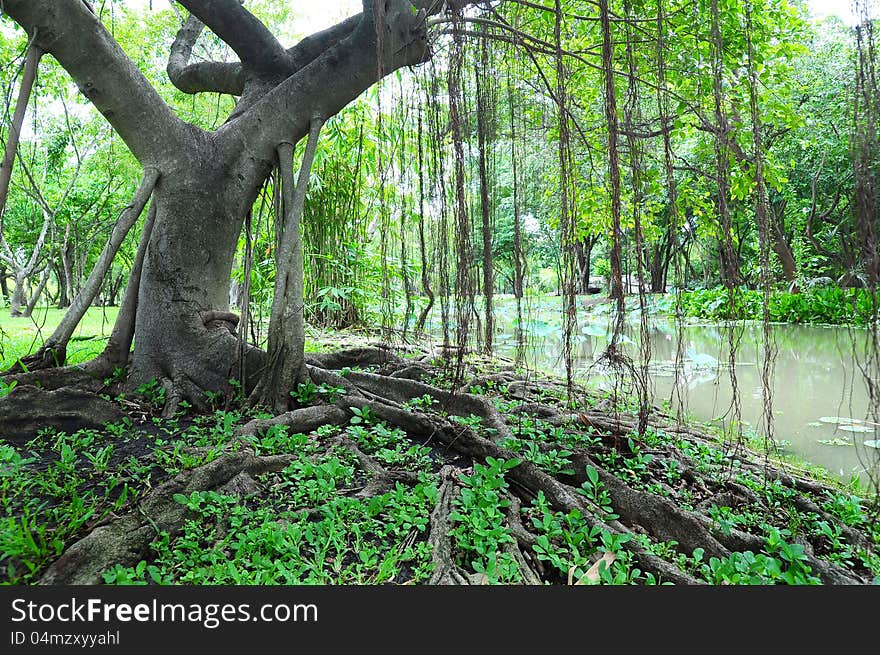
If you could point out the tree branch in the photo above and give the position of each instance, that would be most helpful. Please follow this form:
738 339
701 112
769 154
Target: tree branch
285 112
68 31
222 77
246 34
214 76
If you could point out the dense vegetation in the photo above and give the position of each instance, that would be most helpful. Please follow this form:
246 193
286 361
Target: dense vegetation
714 159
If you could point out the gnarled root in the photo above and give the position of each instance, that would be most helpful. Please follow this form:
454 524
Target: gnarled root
640 509
125 540
446 571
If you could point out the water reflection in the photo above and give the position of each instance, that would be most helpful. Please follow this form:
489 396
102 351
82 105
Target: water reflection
820 400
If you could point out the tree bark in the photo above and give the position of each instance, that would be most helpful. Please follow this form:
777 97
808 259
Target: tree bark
59 338
31 64
18 296
285 365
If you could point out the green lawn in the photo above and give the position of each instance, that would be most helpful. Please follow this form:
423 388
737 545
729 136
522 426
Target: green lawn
20 336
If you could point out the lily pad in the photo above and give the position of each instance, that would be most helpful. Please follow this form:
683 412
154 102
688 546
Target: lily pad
814 424
872 443
838 420
837 441
857 428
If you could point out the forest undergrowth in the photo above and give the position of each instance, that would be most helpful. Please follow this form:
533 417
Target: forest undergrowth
392 469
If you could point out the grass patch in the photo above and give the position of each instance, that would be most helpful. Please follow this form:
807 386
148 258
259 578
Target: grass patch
21 336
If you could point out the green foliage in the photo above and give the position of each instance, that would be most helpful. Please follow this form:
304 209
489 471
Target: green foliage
782 563
307 392
825 305
478 520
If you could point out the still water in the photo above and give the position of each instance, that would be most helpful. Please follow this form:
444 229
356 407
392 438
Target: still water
819 394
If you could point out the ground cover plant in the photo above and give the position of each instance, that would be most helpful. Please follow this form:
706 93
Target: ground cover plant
502 483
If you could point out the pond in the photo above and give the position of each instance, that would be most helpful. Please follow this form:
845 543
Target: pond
819 394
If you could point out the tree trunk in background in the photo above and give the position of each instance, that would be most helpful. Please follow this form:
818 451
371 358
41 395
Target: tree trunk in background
4 283
63 298
32 303
18 299
583 250
783 250
67 252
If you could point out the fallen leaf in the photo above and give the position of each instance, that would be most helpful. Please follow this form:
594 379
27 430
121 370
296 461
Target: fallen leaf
592 575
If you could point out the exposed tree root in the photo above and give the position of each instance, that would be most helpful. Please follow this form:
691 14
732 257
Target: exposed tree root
126 539
305 419
446 571
524 543
381 480
657 515
27 410
89 376
660 515
363 356
461 404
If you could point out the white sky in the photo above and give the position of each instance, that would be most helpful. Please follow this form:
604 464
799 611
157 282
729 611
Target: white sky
842 8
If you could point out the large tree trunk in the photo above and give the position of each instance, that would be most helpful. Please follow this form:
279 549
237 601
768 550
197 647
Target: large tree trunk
184 332
184 335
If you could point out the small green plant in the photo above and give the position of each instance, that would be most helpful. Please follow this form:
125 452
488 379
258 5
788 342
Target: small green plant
594 489
305 392
478 520
153 393
362 416
7 387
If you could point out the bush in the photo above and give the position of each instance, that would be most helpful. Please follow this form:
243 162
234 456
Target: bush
828 305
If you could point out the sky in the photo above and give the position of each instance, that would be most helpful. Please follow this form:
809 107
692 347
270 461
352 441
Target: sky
822 8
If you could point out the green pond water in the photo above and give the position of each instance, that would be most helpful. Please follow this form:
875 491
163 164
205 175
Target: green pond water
819 394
